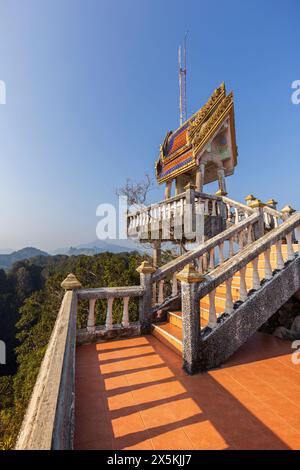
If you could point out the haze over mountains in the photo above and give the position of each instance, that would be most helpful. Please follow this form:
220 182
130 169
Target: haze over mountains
9 257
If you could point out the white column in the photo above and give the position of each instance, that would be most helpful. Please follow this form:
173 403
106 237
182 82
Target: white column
255 275
229 302
236 215
290 249
212 320
168 189
243 285
91 317
280 262
214 212
174 285
125 321
109 313
268 267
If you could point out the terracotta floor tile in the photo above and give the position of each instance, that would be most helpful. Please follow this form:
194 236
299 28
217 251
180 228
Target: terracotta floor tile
134 394
172 440
204 436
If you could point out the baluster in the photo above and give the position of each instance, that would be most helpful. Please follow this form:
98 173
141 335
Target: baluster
243 285
221 253
161 291
229 302
280 262
212 259
236 213
231 249
205 262
206 212
228 212
250 235
213 212
212 319
200 266
290 249
276 222
174 285
241 240
255 275
109 313
297 230
268 267
91 317
125 321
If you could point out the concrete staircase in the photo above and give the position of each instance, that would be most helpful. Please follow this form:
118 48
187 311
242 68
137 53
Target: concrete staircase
170 332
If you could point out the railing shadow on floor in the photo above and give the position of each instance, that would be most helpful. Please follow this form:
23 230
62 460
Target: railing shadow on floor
135 401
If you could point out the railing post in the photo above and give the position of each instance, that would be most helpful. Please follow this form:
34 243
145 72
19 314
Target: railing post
189 213
255 275
259 228
290 250
279 258
125 320
146 270
174 285
229 302
91 318
190 280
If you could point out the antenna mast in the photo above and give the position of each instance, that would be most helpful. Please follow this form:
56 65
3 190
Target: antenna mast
182 81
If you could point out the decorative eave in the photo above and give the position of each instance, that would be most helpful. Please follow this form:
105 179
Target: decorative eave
201 128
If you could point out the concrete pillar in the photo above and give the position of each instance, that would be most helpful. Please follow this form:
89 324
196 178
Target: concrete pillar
190 306
156 253
146 270
259 228
200 177
189 213
222 183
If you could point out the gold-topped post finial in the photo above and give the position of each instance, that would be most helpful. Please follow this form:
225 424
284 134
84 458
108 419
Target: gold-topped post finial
256 203
271 202
189 274
249 199
71 282
288 210
146 268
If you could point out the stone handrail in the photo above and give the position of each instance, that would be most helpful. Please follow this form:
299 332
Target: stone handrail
109 293
49 419
230 233
239 262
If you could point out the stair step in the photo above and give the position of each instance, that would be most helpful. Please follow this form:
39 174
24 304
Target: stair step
168 334
175 318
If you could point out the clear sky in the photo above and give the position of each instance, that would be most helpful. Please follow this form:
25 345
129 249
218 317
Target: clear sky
92 88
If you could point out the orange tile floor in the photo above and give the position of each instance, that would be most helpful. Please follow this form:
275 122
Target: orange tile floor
133 394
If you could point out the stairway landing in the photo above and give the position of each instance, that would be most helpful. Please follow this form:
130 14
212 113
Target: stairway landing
133 394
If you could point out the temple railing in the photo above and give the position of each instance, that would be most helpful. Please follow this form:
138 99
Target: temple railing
206 256
157 221
193 290
110 294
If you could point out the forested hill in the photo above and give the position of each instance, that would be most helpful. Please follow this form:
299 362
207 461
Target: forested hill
30 297
7 260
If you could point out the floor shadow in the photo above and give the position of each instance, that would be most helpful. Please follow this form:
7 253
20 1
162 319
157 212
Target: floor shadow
166 412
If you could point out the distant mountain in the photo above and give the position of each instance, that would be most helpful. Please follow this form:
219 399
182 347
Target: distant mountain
99 246
7 260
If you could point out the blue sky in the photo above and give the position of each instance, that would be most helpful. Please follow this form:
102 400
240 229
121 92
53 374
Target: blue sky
92 88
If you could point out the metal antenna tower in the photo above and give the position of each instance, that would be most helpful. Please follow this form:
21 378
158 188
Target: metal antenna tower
182 80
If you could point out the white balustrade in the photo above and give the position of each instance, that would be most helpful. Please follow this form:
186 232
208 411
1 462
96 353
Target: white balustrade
91 317
221 253
109 313
243 285
268 267
212 319
290 249
255 275
212 259
231 248
229 302
280 262
125 321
